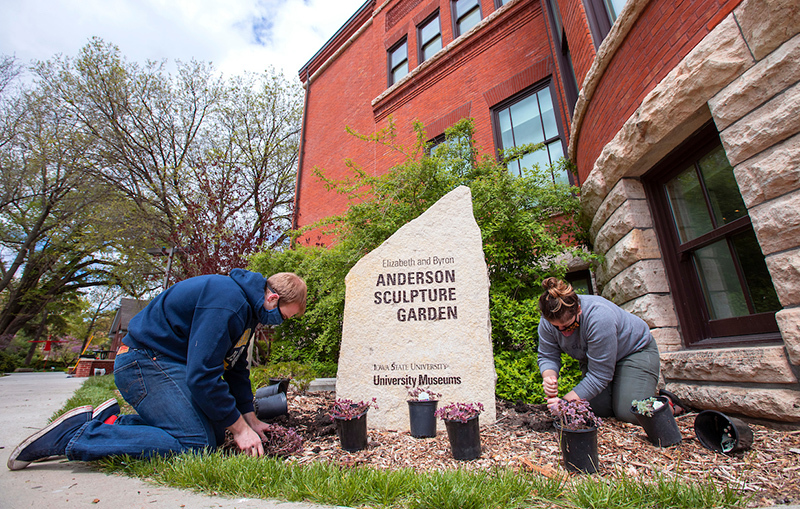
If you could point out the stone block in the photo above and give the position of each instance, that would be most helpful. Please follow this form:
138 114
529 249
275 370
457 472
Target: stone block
776 120
322 385
757 85
758 365
785 271
656 310
646 276
771 174
761 403
417 314
668 339
638 244
766 24
789 324
593 191
629 215
626 189
777 223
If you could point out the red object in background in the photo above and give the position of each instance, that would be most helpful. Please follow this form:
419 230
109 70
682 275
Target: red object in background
48 343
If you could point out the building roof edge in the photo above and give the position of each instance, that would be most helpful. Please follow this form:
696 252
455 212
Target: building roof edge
340 37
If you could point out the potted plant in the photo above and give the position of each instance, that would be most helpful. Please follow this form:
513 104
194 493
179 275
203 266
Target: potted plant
351 422
422 404
463 430
577 434
655 416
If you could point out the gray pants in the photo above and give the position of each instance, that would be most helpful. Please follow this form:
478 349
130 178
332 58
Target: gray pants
635 377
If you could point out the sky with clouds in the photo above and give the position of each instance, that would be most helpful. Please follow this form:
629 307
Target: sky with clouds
235 35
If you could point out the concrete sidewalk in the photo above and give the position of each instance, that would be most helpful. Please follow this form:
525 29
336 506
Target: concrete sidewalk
27 401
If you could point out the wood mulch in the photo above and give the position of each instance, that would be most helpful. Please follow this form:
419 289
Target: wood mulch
523 438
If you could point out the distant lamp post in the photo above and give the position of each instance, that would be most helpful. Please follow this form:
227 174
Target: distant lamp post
169 253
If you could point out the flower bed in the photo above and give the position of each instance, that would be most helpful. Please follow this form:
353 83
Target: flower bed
522 438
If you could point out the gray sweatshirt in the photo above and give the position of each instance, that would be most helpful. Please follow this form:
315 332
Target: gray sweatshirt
607 333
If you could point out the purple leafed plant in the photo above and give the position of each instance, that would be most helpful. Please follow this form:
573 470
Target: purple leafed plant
461 412
575 415
422 394
281 441
347 409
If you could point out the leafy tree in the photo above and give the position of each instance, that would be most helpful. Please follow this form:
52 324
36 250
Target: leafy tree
103 158
52 229
527 224
193 152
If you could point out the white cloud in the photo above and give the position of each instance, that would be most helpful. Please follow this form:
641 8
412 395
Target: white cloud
236 35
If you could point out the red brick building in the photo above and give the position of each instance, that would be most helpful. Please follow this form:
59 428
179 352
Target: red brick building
682 119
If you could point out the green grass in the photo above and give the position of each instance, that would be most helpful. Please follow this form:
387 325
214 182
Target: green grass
94 391
325 483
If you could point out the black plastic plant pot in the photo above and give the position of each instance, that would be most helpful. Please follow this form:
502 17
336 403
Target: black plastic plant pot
465 438
282 383
578 449
423 422
273 405
720 433
661 428
352 432
267 390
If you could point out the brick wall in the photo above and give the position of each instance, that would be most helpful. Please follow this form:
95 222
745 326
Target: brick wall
581 46
86 367
352 91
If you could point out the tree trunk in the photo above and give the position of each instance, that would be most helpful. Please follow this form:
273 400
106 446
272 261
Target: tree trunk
39 332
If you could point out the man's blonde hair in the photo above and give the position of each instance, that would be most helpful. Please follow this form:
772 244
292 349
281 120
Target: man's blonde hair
291 288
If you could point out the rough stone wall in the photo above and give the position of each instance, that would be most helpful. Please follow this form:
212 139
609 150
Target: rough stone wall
745 75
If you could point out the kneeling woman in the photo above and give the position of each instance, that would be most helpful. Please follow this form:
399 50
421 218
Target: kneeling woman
617 354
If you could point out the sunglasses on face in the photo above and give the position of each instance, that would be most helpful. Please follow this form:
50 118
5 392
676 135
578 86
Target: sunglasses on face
571 327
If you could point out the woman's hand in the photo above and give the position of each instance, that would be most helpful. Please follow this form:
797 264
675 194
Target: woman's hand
550 383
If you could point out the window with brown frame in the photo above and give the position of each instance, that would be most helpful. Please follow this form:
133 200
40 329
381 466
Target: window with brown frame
563 56
466 14
581 282
531 117
722 290
599 18
398 61
429 35
614 7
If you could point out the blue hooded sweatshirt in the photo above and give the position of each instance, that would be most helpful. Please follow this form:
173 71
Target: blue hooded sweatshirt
206 322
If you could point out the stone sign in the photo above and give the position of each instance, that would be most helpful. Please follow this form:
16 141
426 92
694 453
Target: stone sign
417 314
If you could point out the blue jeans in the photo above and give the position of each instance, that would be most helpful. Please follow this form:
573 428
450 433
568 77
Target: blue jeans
168 419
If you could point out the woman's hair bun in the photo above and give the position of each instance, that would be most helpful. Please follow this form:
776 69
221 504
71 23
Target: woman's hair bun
557 288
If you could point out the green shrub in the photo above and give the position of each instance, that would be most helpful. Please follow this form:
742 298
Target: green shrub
9 362
519 379
514 322
301 374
